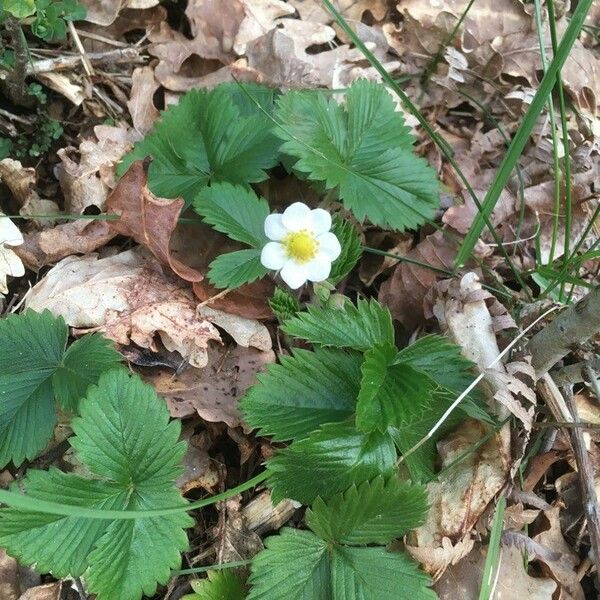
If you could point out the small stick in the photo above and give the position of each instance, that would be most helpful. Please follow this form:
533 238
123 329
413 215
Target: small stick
592 377
87 65
60 63
588 490
575 373
210 300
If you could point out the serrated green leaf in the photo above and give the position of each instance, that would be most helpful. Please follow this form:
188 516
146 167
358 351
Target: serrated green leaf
126 441
359 327
364 150
235 211
235 269
34 367
297 565
391 395
83 363
19 8
351 249
302 393
31 350
211 135
445 364
294 566
375 512
283 304
329 461
219 585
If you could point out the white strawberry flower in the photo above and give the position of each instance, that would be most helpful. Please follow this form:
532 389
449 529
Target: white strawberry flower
302 246
10 263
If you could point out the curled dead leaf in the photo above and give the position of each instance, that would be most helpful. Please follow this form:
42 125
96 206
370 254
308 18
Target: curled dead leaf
149 220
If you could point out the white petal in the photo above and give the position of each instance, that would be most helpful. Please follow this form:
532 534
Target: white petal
319 268
330 245
273 256
296 217
294 274
320 221
274 228
9 233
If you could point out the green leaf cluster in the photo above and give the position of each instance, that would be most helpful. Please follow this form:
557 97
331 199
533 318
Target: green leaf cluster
354 402
219 135
363 150
283 304
333 559
131 450
37 367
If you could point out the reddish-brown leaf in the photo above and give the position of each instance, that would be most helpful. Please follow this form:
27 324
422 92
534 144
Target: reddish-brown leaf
149 220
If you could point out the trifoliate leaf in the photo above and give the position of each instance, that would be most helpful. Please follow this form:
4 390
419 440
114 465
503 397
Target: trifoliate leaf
328 461
124 438
364 150
302 393
359 327
235 269
390 395
283 305
83 363
32 361
351 249
375 512
211 135
235 211
297 565
219 585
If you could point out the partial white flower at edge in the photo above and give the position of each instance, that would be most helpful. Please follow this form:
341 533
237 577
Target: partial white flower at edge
302 246
10 263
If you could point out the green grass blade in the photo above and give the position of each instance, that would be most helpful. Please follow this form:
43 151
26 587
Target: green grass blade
56 508
524 131
492 560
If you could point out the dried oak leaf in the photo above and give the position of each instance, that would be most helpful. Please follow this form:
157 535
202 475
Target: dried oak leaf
87 181
130 298
212 392
21 183
104 12
149 220
404 292
141 100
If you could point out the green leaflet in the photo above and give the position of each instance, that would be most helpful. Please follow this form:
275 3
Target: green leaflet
307 389
374 512
329 461
358 327
297 565
125 439
211 135
364 150
219 585
36 367
235 269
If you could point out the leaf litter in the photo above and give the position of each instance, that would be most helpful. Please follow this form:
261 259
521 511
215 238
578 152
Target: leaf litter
141 281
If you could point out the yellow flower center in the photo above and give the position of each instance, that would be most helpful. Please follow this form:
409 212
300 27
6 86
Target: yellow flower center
301 245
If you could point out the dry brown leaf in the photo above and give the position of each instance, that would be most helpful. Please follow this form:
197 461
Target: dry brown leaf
233 540
352 10
248 301
464 579
404 292
459 496
50 591
200 471
87 181
141 101
245 332
149 220
104 12
212 392
21 183
131 298
51 245
563 570
9 577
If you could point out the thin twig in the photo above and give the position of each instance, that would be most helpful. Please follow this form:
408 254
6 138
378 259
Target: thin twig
588 489
67 62
575 373
592 378
87 65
